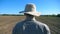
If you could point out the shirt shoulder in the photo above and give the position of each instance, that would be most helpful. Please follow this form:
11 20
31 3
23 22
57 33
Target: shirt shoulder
20 23
39 23
42 25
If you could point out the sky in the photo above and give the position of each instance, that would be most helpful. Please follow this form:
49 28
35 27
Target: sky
45 7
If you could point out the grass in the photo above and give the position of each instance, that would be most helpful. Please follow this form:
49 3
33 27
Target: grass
8 22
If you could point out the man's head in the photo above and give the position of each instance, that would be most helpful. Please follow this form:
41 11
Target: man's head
28 15
31 10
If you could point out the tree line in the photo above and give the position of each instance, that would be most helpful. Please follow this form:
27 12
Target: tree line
10 15
58 15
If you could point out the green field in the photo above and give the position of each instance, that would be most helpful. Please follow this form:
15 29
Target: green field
8 22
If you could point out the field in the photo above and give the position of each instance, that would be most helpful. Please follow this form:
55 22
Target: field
8 22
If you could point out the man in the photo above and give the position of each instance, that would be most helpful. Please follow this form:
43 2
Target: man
30 25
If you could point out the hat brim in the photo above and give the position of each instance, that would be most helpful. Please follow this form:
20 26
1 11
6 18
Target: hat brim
34 13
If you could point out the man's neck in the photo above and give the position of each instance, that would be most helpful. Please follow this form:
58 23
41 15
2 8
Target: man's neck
29 18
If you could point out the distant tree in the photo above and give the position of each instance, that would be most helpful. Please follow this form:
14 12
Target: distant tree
58 15
53 15
4 14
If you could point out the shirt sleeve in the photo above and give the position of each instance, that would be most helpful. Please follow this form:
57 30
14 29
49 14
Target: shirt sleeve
17 29
46 29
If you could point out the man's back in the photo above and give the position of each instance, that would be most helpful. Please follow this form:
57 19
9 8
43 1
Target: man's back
31 27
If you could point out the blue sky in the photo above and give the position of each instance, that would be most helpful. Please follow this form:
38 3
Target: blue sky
46 7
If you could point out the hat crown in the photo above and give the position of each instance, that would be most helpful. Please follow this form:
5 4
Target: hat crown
30 7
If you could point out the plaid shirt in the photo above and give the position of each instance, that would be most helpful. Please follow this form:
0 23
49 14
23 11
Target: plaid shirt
31 27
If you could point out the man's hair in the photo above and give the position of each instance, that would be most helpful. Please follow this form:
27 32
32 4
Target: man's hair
27 14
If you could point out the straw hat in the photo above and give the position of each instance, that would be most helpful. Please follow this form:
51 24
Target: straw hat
30 9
